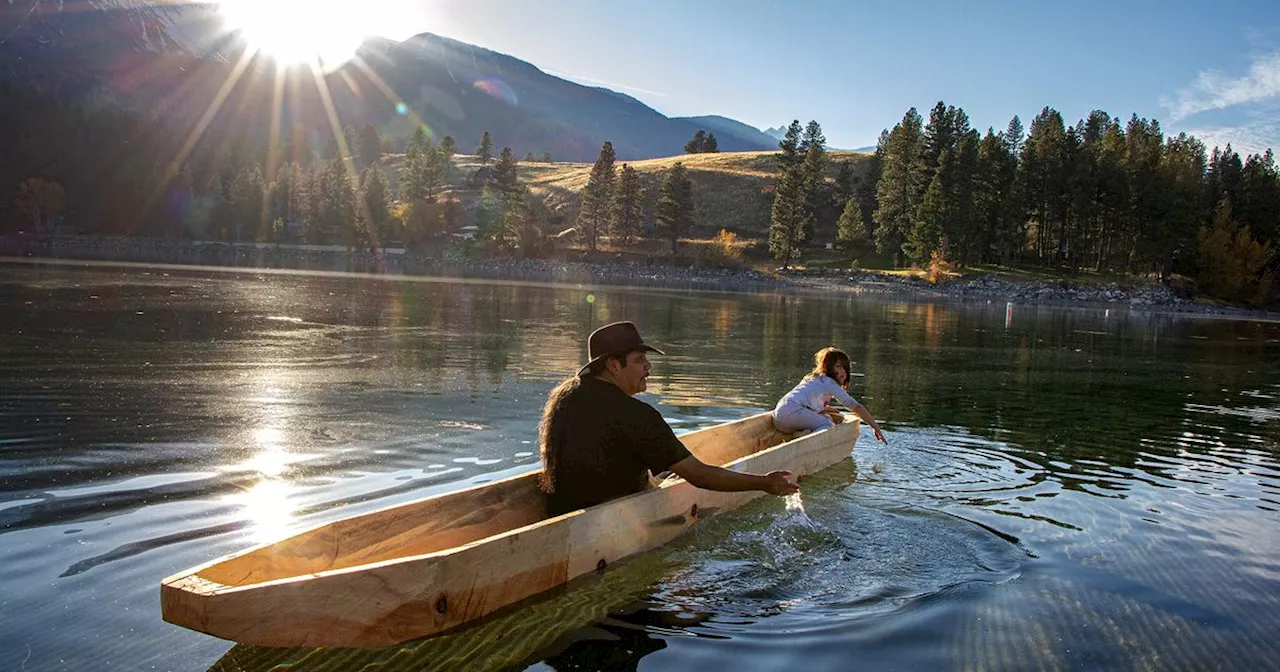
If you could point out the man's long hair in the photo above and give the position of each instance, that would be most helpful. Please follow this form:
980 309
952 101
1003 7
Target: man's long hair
550 433
824 364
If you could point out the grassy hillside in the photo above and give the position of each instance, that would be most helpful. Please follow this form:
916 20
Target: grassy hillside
731 190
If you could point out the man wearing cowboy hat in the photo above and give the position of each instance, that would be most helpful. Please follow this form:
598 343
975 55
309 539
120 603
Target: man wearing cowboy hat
599 443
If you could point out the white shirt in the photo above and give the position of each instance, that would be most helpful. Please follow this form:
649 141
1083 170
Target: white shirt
814 393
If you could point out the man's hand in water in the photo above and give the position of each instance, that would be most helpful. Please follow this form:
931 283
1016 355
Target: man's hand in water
776 484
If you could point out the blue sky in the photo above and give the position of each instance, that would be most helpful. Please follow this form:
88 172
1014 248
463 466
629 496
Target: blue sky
1212 69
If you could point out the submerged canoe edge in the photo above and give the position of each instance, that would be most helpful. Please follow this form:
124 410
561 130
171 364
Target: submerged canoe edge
383 578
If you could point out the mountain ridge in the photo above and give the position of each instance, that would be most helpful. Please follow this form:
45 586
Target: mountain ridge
170 61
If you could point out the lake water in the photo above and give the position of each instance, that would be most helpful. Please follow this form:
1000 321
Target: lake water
1064 488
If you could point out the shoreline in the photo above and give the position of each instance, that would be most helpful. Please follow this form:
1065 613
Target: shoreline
338 260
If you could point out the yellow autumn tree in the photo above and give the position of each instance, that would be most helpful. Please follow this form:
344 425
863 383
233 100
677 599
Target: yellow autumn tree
1230 259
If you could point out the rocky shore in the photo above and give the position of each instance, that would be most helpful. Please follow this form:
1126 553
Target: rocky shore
1149 297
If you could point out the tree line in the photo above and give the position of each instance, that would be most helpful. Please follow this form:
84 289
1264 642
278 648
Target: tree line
1101 195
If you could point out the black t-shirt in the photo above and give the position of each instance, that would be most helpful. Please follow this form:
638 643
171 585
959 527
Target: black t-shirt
605 444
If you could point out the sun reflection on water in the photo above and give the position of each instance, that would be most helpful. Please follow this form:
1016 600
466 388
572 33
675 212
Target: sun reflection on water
266 504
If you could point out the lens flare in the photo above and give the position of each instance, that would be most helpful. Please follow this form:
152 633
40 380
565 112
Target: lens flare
498 89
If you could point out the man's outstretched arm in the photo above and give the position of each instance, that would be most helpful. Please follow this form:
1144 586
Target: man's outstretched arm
709 477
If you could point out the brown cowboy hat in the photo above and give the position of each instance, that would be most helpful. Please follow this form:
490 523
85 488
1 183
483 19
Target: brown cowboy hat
614 339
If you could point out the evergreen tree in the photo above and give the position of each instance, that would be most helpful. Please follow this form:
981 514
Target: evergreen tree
1183 166
1013 136
597 197
377 202
279 203
529 158
435 170
901 186
505 177
998 230
845 186
788 216
674 216
485 150
925 236
338 208
711 145
628 206
369 149
351 140
697 144
546 157
812 137
1148 204
816 193
448 147
414 170
248 198
791 155
850 228
1045 166
866 187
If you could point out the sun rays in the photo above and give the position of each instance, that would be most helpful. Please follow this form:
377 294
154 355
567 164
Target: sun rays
309 45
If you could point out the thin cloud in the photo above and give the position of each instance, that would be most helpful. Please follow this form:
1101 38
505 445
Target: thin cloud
1215 91
1249 138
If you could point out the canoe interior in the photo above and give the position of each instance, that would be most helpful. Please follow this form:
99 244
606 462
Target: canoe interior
450 520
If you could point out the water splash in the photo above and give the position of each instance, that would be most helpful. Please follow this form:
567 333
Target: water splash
793 515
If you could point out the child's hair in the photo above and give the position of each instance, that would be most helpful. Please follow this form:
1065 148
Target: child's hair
824 364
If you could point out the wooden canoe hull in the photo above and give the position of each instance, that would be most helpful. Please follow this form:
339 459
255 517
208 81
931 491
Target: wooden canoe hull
286 594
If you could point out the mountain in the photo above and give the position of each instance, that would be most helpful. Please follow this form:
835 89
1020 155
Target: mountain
776 133
725 127
173 63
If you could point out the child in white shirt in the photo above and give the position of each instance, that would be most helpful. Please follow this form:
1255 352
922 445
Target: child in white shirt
806 405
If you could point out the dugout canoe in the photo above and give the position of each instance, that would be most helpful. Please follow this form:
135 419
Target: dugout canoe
429 566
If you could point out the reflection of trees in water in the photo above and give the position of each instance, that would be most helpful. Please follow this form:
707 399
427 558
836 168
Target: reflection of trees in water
1075 383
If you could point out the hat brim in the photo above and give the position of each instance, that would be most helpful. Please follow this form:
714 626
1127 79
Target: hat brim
642 346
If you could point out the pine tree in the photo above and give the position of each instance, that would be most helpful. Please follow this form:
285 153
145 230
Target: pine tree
1013 136
850 228
546 157
248 198
339 201
435 170
787 218
696 145
377 202
816 194
674 215
597 197
925 236
529 158
414 170
901 186
370 145
485 150
628 206
812 137
845 186
448 147
711 145
790 146
505 177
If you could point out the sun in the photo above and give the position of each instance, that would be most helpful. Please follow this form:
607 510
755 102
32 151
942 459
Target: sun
326 32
